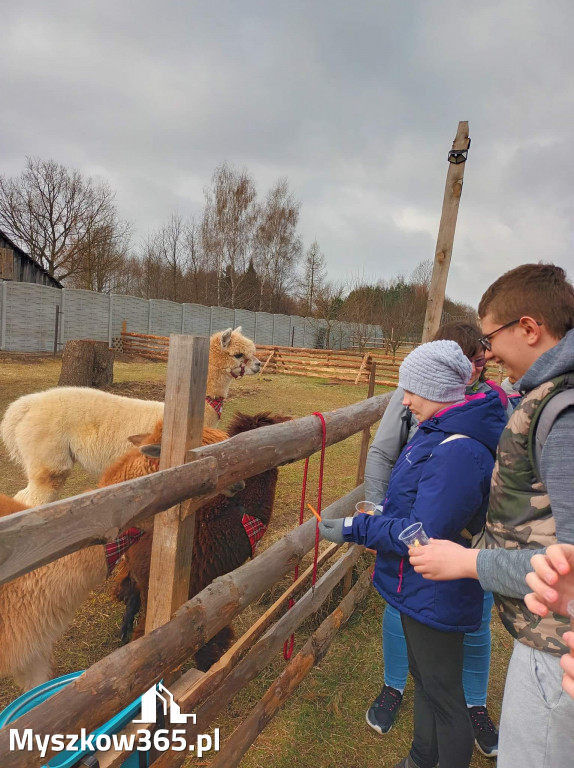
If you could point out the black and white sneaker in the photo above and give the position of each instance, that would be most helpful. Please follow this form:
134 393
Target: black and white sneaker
485 733
384 709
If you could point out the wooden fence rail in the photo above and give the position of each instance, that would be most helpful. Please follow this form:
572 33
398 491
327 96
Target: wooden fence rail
40 535
342 365
112 683
277 694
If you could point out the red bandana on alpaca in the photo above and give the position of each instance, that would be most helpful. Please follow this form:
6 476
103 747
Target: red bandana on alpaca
216 403
254 529
116 548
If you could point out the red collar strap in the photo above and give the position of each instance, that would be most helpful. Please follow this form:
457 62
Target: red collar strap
241 372
116 548
254 529
216 403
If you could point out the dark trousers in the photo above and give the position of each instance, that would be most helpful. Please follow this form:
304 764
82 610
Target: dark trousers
443 730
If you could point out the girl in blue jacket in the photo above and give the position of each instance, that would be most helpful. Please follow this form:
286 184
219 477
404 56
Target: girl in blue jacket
442 480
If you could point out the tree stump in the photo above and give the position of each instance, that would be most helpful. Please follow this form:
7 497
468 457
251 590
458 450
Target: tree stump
87 363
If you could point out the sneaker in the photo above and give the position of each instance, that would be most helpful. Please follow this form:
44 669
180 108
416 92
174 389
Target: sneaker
383 711
485 733
408 762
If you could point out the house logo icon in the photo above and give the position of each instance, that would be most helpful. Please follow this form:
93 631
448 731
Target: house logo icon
149 706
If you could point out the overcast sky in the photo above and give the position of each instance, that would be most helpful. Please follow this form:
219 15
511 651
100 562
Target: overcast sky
357 103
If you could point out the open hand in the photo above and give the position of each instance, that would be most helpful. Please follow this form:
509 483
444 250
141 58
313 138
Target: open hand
552 581
443 560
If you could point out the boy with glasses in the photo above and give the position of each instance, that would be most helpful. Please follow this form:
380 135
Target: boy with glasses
527 318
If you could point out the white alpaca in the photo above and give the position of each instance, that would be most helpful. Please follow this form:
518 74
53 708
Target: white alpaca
47 432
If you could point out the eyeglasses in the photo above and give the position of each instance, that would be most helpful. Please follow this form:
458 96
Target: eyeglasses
479 362
485 340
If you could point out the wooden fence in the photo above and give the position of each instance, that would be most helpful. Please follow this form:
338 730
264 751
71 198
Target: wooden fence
37 536
337 365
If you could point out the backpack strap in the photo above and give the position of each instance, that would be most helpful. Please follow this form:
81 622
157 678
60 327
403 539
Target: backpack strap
499 391
452 437
550 413
465 533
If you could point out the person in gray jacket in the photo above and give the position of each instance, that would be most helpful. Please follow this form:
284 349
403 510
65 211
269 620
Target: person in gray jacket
527 318
397 426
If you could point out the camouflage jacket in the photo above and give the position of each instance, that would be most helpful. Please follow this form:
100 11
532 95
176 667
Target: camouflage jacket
519 514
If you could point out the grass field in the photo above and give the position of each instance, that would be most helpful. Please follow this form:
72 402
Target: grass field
323 724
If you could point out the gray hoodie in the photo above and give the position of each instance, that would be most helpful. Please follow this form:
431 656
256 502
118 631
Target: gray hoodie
504 571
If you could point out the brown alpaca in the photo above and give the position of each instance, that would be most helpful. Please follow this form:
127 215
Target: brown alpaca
135 463
220 544
48 432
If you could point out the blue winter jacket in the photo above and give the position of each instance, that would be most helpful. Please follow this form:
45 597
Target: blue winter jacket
446 488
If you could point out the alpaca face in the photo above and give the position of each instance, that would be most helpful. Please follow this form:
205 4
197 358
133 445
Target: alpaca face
234 353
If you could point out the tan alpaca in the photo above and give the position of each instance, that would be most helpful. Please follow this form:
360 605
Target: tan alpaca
37 608
49 431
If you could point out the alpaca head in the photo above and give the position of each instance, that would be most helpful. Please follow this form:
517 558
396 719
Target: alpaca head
244 422
150 446
232 355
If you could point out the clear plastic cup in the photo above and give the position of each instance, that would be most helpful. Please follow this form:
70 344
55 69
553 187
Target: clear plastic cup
414 536
366 507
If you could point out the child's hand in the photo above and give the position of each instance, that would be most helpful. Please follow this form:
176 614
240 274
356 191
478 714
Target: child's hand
332 530
552 581
443 560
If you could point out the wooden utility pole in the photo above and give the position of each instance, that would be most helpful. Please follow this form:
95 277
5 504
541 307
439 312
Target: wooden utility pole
182 429
443 253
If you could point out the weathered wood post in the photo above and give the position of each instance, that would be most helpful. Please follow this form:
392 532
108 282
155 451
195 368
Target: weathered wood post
453 190
56 329
367 431
182 429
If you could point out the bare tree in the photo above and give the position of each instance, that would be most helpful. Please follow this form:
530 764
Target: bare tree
52 211
328 308
101 257
228 225
196 263
362 308
278 246
152 270
402 311
169 246
314 271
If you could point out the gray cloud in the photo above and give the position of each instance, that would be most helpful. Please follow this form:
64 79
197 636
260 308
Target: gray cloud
357 104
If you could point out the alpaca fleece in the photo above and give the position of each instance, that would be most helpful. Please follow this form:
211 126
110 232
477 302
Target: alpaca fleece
48 432
37 608
220 544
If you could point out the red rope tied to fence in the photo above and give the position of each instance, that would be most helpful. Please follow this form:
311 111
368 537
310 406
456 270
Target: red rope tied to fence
289 644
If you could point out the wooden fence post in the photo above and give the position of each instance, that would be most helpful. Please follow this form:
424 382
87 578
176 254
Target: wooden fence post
445 239
56 329
182 430
367 431
3 304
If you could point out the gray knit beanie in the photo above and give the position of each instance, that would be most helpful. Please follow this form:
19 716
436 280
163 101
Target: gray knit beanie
437 371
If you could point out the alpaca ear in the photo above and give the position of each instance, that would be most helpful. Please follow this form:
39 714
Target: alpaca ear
226 338
153 451
237 330
138 439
